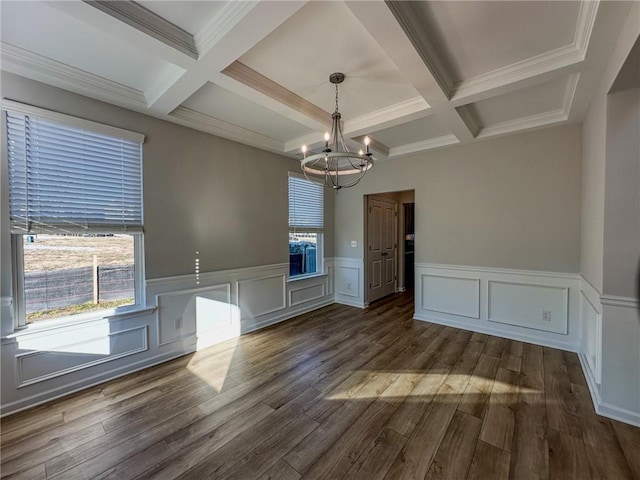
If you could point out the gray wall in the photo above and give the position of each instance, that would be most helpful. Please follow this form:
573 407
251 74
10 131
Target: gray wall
202 193
622 195
594 132
512 202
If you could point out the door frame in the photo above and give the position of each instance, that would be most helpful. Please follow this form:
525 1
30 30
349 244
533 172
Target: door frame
381 198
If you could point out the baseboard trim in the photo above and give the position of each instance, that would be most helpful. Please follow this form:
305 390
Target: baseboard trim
50 395
350 303
498 333
289 315
603 408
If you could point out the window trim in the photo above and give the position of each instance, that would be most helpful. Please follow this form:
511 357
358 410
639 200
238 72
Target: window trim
70 120
19 310
16 241
320 268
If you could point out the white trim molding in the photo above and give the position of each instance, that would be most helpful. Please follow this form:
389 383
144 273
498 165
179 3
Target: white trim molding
47 363
349 282
615 301
205 123
462 296
140 18
31 65
609 357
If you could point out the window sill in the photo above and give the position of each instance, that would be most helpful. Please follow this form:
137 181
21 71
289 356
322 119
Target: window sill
112 314
306 277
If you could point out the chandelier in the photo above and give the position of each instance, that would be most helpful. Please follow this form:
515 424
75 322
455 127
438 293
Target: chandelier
336 166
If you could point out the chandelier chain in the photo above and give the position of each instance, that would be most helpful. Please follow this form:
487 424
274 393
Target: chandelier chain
336 98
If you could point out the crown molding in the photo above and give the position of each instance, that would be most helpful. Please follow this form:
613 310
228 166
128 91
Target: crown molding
538 65
417 147
31 65
140 18
570 92
221 24
539 120
584 26
526 123
205 123
407 18
252 79
465 91
387 117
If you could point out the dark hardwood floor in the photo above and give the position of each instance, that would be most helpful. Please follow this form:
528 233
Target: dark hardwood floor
337 393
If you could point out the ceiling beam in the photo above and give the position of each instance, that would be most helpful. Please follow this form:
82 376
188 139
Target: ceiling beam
235 30
394 28
125 32
146 21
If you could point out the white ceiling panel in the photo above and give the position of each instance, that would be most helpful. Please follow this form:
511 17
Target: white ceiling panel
322 38
546 97
190 16
476 37
41 29
440 72
217 102
411 132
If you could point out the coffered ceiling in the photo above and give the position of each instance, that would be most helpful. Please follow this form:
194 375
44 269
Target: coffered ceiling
419 75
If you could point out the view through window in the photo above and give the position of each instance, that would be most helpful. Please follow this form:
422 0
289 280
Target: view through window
303 253
70 274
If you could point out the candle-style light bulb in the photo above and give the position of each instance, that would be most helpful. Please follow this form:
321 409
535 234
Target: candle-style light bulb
360 152
304 151
366 142
326 139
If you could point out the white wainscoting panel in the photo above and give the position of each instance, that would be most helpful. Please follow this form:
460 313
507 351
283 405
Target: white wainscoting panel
261 295
620 385
185 313
45 363
255 297
306 293
503 302
451 295
349 281
591 336
40 365
524 305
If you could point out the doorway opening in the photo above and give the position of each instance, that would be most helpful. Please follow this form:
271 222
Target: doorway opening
389 244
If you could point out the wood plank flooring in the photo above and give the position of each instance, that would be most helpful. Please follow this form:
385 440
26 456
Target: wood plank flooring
336 393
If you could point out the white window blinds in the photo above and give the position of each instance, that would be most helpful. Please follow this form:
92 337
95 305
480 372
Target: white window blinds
306 204
67 177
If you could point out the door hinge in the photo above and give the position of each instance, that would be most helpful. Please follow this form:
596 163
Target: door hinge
370 285
369 247
396 213
369 209
395 277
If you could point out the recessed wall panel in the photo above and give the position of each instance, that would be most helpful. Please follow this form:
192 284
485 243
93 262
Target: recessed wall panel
531 306
451 295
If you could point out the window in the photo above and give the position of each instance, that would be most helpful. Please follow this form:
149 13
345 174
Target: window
306 223
75 213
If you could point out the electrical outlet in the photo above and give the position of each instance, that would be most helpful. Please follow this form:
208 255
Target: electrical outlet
354 243
178 323
546 315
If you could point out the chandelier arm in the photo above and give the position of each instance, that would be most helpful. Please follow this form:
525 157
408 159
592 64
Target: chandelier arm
336 161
